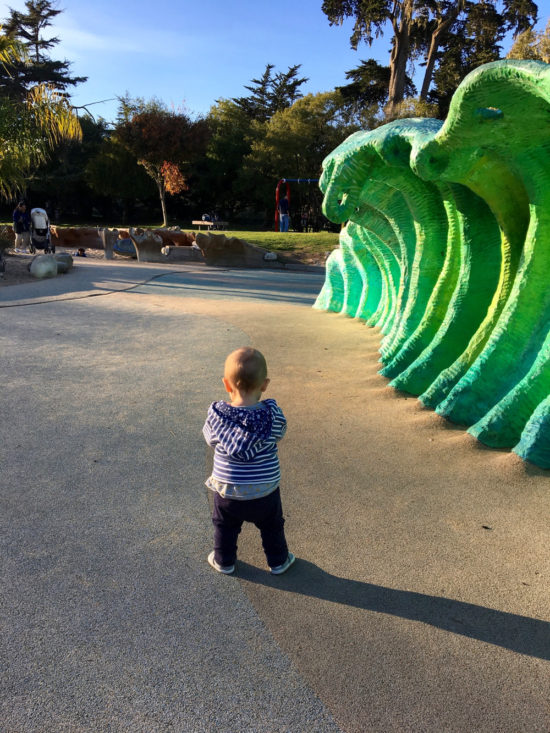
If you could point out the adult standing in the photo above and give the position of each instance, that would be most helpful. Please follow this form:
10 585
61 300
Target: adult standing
284 218
21 227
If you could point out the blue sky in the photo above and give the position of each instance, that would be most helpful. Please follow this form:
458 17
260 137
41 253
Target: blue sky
193 52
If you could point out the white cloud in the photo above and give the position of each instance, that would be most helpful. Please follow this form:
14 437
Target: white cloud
75 42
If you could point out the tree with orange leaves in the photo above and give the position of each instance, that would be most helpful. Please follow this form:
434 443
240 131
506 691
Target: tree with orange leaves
165 142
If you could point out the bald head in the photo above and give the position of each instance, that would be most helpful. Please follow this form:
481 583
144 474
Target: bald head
245 369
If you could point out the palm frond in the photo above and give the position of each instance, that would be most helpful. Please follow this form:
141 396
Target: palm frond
28 133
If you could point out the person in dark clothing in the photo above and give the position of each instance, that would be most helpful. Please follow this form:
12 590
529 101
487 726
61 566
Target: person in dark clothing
284 218
21 227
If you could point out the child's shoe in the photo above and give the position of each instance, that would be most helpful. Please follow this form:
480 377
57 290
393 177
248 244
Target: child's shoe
279 569
225 569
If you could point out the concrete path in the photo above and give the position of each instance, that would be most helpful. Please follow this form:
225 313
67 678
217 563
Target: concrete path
419 601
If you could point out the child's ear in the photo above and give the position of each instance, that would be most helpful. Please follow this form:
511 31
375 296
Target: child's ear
265 385
227 385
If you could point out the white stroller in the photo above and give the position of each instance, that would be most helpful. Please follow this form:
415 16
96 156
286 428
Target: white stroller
40 232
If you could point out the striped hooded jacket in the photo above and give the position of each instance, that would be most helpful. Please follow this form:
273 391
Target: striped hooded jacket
245 442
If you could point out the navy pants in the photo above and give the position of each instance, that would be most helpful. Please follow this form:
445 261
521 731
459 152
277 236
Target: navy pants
266 513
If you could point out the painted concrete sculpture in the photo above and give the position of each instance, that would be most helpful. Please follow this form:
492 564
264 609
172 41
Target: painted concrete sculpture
447 251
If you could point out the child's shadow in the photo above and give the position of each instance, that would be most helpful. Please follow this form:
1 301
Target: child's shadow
518 633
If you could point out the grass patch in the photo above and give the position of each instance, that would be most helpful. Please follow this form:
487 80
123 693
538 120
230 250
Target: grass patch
308 247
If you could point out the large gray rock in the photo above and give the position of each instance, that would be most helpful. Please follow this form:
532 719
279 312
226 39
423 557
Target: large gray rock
7 238
148 245
182 254
233 252
109 237
43 266
64 261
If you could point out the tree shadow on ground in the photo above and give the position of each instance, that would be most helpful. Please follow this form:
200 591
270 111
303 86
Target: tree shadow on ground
238 284
508 630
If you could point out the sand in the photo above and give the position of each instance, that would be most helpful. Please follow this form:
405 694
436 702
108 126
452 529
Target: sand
419 599
17 265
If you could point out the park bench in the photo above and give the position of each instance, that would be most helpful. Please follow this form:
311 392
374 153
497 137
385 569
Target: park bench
210 224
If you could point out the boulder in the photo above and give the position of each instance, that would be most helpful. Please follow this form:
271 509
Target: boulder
5 242
108 237
182 254
7 238
43 266
175 237
148 245
64 262
233 252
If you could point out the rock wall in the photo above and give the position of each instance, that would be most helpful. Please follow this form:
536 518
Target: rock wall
75 237
222 251
447 251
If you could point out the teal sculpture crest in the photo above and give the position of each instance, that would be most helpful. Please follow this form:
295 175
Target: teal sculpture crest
447 251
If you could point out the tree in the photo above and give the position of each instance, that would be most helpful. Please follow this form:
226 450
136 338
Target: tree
29 130
271 93
414 107
36 67
370 22
221 185
235 124
475 39
60 180
367 93
422 29
544 44
157 136
11 50
435 22
114 174
532 45
295 143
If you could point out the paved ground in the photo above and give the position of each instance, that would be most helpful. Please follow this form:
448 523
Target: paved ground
419 601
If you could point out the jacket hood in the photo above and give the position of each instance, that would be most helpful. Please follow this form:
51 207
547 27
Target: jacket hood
244 433
257 422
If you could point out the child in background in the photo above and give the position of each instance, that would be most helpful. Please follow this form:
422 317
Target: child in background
246 474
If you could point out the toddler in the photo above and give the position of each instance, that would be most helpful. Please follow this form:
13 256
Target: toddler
245 479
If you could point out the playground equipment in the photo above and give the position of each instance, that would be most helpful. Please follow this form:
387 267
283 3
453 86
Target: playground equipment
40 232
287 182
447 252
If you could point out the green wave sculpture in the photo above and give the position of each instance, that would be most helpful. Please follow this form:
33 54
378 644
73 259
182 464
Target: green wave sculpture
446 250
